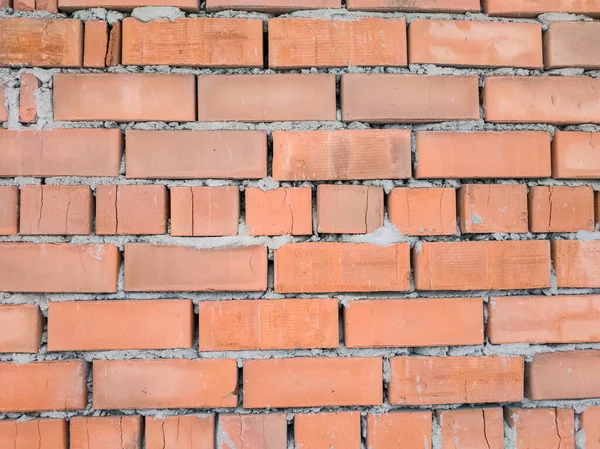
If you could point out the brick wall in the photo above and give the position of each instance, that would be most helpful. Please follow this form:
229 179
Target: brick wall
269 224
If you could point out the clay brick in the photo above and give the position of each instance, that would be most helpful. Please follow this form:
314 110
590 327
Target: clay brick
313 382
272 6
58 268
132 209
47 5
574 155
327 430
135 384
267 431
520 8
196 154
40 386
588 423
113 53
5 3
370 41
344 209
423 211
41 42
284 211
27 98
458 6
489 208
3 107
20 328
544 319
571 44
106 432
195 42
398 98
266 98
268 324
542 99
56 210
465 43
42 433
61 152
24 5
471 155
561 209
341 267
478 265
117 325
124 97
205 211
179 268
126 5
9 204
455 380
164 433
341 155
411 429
465 429
542 428
413 322
577 263
95 45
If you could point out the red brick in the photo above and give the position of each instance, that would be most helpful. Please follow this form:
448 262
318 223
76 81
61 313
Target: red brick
509 154
413 322
542 428
347 209
135 384
455 380
589 422
411 429
20 328
475 428
364 41
3 108
195 42
95 44
9 204
47 5
56 210
577 263
520 8
196 154
571 44
41 42
42 386
457 6
312 382
59 267
252 431
126 5
561 209
113 325
341 267
42 433
574 155
106 432
179 268
131 209
266 98
113 53
327 430
268 324
24 5
273 6
285 211
542 99
341 155
61 152
164 433
393 98
124 97
466 43
27 98
205 211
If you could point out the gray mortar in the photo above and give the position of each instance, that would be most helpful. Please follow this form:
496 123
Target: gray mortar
148 13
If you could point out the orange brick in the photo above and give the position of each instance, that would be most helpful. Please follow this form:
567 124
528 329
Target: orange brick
457 6
113 53
509 154
411 429
126 5
544 319
492 265
341 155
179 268
542 99
542 428
205 211
41 386
131 209
327 430
113 325
24 5
106 432
135 384
364 41
394 98
413 322
344 209
455 380
3 108
520 8
273 6
465 43
285 211
266 98
47 5
95 45
56 210
42 433
41 42
195 42
59 267
124 97
488 208
561 209
27 98
423 211
571 44
312 382
252 431
196 154
61 152
164 433
465 429
589 422
574 155
341 267
20 328
577 263
268 324
9 204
